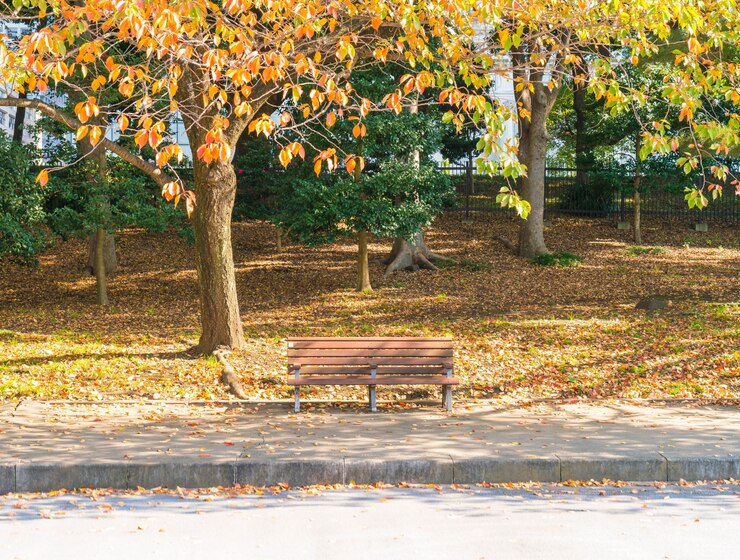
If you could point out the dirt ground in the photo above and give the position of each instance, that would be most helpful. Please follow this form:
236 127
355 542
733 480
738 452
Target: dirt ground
521 331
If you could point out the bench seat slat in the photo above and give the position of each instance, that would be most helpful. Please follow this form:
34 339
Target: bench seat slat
359 352
368 338
365 370
369 344
380 380
360 361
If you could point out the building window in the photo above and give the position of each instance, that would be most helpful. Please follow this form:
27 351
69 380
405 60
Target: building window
2 118
11 122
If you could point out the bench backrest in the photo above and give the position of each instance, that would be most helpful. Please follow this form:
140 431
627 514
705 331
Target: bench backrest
318 356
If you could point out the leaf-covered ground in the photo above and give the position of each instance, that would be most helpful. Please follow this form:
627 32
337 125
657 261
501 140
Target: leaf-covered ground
520 330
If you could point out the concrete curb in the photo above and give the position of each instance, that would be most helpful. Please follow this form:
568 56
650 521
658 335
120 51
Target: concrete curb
38 477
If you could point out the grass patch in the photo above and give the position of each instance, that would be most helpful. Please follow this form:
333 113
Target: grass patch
637 250
561 259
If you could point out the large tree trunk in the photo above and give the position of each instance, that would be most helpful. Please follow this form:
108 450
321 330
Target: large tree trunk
220 320
533 153
363 267
110 258
411 255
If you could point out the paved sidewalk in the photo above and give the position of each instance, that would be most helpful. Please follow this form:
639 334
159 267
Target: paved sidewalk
47 446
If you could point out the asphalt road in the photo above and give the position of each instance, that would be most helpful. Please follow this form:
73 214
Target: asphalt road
549 522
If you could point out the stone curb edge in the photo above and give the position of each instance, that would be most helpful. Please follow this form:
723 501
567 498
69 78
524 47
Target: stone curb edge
46 477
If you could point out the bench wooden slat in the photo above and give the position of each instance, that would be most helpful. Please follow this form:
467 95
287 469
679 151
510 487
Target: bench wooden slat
360 352
369 344
435 369
379 361
368 380
368 338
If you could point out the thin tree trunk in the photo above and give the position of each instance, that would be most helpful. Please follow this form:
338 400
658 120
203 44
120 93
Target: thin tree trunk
98 156
636 185
20 117
100 280
109 254
363 267
219 308
580 83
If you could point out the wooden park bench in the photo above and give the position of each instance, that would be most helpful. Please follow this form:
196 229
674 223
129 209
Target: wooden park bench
371 361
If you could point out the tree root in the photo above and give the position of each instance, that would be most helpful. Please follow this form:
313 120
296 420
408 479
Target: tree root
412 256
228 375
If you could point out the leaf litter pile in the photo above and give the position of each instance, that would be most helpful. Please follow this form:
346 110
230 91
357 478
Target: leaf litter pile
520 330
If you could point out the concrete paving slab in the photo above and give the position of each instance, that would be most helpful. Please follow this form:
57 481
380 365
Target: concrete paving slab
183 444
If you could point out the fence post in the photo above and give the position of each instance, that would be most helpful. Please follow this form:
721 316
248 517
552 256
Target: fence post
622 203
468 184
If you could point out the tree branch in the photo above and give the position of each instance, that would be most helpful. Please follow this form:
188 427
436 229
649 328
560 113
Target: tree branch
73 124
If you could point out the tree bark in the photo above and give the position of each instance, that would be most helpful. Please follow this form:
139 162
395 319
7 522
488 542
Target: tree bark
363 268
636 187
109 254
537 104
100 175
582 156
533 154
20 117
100 279
219 308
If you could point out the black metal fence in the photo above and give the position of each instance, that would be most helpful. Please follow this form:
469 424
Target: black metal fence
605 194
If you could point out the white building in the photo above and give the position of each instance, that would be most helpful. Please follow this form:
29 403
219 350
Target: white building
13 31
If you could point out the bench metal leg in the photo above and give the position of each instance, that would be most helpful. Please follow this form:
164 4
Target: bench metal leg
297 407
447 397
371 396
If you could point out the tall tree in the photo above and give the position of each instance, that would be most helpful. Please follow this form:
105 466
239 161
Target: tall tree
216 66
538 44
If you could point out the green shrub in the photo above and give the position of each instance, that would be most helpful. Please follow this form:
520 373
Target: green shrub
22 232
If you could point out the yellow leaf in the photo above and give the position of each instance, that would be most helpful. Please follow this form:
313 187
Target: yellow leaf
95 134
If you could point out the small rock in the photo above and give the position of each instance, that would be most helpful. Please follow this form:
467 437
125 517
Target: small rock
654 303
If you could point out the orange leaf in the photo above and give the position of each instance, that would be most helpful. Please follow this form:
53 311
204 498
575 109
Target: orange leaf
43 177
